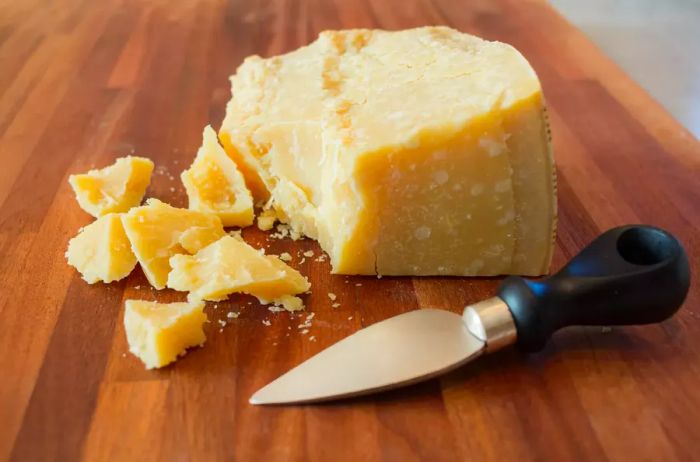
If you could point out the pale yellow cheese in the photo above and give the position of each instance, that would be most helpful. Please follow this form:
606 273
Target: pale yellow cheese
415 152
101 251
230 265
266 219
116 188
158 333
157 231
214 184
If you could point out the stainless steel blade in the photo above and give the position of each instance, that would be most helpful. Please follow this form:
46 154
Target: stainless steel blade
408 348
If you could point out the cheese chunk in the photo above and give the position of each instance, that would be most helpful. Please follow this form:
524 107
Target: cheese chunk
158 333
230 265
157 231
214 184
116 188
416 152
101 251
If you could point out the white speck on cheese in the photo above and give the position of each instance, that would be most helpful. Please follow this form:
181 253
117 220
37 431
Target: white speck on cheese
441 177
502 186
422 232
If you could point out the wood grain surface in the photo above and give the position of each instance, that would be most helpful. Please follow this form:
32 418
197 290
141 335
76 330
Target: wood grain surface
83 82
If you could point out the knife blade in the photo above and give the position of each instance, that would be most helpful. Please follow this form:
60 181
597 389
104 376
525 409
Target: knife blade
633 274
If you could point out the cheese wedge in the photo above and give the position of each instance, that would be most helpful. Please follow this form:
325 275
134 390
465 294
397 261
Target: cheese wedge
157 231
214 184
116 188
416 152
101 251
230 265
158 333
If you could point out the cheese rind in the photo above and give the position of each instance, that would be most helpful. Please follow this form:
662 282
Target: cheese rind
115 188
230 265
214 184
157 231
158 333
416 152
101 251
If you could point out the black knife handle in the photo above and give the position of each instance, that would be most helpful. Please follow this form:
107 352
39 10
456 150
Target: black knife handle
633 274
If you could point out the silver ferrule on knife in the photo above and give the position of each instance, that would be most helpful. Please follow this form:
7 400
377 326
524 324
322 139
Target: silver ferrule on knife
492 322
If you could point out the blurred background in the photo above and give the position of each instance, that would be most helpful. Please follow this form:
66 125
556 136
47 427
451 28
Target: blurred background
657 42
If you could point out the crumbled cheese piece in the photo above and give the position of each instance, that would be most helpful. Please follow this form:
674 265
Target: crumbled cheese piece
266 322
335 305
358 284
232 314
222 323
309 253
332 296
231 266
285 256
101 251
115 188
158 333
305 331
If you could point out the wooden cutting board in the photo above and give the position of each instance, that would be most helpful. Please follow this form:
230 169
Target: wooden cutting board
83 82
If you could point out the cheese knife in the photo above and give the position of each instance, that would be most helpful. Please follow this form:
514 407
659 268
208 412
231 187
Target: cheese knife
632 274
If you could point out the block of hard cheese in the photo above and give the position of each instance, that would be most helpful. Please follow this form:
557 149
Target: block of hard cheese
214 184
157 231
101 250
116 188
416 152
158 333
230 265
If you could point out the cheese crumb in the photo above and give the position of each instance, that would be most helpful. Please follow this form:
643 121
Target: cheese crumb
309 253
266 322
285 256
232 314
335 305
266 219
332 296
